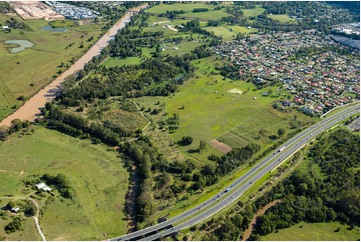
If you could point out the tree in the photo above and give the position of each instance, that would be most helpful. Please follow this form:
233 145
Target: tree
186 140
15 225
11 204
31 210
202 145
270 92
280 132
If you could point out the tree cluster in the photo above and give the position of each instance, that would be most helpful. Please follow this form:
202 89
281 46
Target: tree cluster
61 182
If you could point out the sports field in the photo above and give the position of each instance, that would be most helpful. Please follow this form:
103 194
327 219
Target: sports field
97 177
26 72
315 232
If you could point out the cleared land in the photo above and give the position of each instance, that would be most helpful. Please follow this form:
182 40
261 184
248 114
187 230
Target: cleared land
220 146
315 232
26 72
244 115
163 8
281 17
211 14
35 10
229 32
115 61
253 12
97 177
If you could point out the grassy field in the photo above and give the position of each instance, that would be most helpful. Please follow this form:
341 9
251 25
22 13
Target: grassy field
229 32
242 114
253 12
180 49
163 8
115 61
97 176
211 14
283 18
27 233
26 72
315 232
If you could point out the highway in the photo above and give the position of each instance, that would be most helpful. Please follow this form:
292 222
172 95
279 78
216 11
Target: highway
239 186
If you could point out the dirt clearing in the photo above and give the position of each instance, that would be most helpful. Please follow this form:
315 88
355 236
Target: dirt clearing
235 90
220 146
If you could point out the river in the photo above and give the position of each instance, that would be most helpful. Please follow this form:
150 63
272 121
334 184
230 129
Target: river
31 108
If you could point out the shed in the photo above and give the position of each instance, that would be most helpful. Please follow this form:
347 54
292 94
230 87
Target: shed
43 186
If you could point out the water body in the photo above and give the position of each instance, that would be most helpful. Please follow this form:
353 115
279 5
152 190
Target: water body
23 45
55 30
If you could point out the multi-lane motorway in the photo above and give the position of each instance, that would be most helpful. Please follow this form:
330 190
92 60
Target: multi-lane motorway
239 186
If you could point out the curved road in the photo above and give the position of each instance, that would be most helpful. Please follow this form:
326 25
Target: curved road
239 186
31 108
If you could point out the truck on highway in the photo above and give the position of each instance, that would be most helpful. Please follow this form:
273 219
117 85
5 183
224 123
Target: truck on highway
280 150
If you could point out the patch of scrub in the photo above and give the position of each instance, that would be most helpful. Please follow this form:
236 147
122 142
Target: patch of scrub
57 30
24 44
235 90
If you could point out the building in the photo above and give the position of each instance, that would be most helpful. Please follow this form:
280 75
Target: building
5 28
15 210
43 186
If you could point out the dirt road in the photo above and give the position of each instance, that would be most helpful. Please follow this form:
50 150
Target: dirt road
260 212
30 109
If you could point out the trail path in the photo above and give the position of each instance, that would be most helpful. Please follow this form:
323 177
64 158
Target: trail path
30 109
260 212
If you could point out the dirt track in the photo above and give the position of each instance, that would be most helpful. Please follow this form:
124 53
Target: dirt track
260 212
30 109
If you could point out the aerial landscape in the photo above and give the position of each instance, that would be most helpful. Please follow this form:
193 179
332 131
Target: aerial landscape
180 121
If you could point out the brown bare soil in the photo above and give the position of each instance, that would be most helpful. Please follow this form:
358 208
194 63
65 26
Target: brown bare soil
35 10
220 146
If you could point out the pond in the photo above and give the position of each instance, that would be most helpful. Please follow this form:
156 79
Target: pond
56 30
23 45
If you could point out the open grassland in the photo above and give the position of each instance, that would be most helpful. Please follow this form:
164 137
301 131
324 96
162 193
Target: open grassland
229 32
96 174
211 111
188 7
209 15
115 61
26 72
181 48
283 18
315 232
253 12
